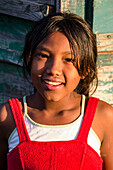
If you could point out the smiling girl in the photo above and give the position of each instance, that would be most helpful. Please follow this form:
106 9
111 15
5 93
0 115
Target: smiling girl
59 127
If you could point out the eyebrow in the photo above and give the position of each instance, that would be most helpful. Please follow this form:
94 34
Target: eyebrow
49 51
43 49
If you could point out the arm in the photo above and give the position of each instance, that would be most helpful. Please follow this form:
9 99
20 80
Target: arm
6 127
3 151
107 143
3 141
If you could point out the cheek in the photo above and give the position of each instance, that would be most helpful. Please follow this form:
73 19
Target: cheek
74 77
37 68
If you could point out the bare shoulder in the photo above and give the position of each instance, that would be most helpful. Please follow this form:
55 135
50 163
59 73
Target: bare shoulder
6 116
6 127
4 108
105 111
105 118
6 119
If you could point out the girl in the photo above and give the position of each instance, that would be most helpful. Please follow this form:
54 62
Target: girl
59 127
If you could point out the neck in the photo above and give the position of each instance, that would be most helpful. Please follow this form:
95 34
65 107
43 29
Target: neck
67 103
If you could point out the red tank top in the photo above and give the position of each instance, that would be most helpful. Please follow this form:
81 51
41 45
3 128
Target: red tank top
58 155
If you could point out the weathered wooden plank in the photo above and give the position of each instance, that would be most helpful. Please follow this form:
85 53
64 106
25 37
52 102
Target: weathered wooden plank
104 42
48 2
31 10
12 82
103 16
12 37
73 6
103 28
105 74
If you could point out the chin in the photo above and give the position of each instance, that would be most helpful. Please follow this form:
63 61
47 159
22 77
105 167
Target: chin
52 98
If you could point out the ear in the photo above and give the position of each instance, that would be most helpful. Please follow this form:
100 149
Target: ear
82 77
86 74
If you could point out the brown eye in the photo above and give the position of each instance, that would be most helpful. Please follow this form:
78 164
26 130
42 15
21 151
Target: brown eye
43 55
68 60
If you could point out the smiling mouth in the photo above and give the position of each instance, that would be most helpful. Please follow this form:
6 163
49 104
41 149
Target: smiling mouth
51 85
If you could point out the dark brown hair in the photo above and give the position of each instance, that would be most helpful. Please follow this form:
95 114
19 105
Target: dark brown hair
81 38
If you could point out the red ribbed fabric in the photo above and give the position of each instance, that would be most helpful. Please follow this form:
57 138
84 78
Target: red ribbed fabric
58 155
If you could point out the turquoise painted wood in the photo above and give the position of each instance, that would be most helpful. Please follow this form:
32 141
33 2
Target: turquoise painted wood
103 16
105 75
73 6
103 28
12 37
12 82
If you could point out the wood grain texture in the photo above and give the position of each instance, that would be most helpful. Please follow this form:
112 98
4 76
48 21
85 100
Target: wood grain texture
12 37
31 10
103 28
105 42
13 83
73 6
49 2
105 75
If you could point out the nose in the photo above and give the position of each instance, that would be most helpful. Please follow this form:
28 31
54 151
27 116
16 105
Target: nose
54 67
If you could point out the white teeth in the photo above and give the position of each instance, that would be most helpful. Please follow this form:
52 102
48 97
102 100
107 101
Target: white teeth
52 83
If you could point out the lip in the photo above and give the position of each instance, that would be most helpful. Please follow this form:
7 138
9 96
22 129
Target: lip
53 84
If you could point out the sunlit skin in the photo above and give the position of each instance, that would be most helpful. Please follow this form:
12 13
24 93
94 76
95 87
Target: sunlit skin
52 63
53 73
55 77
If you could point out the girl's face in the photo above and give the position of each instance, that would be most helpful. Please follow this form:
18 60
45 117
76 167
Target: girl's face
52 71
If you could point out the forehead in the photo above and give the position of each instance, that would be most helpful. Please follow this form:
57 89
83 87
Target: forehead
56 40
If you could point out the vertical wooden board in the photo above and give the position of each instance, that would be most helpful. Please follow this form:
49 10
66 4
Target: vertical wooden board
13 83
73 6
12 37
103 16
105 74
